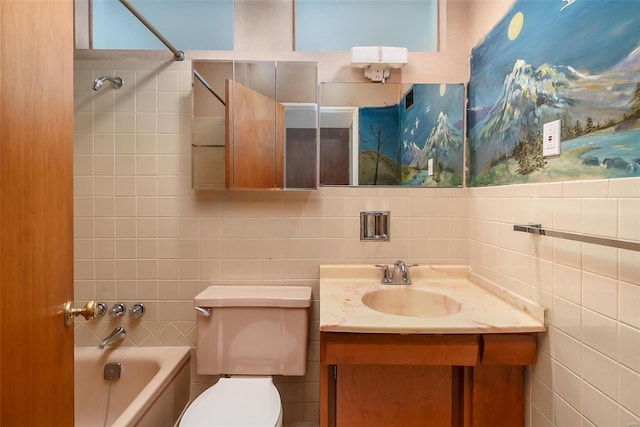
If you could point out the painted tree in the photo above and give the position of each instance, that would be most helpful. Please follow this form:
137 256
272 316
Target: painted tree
376 140
589 126
528 154
577 129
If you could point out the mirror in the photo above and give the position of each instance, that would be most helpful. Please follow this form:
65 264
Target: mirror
254 125
392 134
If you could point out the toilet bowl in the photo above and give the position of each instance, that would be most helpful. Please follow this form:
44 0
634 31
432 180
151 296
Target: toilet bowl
236 401
246 334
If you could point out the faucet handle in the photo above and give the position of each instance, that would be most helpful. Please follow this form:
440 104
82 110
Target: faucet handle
117 310
136 311
102 308
406 279
386 276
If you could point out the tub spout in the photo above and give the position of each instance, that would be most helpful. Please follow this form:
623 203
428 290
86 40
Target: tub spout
116 335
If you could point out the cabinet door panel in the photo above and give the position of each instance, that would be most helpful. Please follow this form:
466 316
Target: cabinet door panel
254 139
497 396
402 396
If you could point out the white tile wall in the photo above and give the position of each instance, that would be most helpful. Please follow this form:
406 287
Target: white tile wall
592 292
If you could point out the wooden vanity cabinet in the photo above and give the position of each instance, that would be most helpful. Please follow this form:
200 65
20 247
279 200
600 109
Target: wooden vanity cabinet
423 380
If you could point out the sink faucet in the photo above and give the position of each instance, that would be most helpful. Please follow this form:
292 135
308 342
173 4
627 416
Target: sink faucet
116 335
400 274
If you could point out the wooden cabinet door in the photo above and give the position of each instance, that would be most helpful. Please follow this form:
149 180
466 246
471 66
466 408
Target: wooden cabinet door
255 139
395 396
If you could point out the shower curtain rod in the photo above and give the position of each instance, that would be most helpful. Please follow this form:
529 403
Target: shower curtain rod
586 238
179 55
208 86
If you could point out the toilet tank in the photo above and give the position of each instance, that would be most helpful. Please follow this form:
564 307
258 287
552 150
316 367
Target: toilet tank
253 330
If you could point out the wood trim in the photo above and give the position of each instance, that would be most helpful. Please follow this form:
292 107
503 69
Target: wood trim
508 349
392 349
498 396
326 398
467 396
2 61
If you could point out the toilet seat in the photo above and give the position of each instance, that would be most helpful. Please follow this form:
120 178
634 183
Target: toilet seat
236 401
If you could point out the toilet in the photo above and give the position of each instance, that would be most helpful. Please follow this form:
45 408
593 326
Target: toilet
247 334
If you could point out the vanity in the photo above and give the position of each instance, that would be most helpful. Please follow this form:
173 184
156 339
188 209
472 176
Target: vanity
441 351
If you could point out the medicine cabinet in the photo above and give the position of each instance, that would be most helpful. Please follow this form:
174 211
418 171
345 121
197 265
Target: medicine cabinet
254 125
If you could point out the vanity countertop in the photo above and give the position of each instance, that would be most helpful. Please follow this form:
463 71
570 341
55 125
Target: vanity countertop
482 311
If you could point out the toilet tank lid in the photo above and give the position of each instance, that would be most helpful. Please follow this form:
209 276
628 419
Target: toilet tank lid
254 296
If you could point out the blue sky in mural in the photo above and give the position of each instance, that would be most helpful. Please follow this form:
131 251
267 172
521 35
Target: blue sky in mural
589 35
430 100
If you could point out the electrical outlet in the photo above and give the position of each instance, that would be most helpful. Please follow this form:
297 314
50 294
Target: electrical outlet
430 167
551 138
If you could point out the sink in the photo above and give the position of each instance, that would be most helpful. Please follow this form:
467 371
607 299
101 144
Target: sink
406 301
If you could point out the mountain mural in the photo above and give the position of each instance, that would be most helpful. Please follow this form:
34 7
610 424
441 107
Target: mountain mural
527 93
444 145
591 85
425 124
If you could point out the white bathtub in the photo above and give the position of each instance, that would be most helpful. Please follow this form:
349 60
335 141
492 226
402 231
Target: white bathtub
153 388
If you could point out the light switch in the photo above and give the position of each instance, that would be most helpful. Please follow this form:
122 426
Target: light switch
430 167
551 138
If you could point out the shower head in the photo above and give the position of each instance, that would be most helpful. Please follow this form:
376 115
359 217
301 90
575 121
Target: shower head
115 81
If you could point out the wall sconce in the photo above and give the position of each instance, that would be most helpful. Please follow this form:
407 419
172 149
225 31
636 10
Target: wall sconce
377 60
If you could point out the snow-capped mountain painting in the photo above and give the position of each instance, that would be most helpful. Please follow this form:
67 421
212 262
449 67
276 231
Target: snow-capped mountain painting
547 60
417 142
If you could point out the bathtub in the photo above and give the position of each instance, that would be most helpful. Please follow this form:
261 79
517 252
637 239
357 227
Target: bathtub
153 388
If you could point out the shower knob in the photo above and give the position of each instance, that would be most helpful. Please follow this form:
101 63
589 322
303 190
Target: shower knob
136 311
117 310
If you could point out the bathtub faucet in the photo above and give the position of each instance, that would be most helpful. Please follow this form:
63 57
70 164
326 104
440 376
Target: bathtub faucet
116 335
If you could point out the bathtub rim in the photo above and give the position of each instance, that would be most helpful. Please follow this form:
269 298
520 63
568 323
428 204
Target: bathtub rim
171 360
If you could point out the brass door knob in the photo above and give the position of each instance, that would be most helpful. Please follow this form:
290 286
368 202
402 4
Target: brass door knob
89 312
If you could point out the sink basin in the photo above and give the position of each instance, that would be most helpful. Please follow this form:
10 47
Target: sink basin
410 302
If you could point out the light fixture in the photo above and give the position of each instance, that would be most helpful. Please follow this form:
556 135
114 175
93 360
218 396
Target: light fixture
377 60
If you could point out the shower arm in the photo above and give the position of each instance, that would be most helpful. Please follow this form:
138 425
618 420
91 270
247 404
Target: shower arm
178 54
